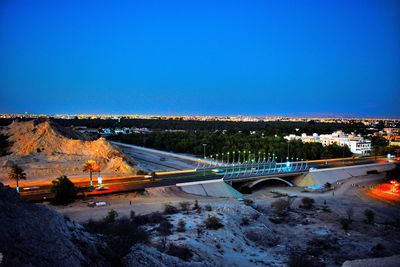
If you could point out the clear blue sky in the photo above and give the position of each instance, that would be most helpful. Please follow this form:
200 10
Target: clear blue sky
200 57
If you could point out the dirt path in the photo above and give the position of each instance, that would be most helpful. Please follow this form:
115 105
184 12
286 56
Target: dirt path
154 200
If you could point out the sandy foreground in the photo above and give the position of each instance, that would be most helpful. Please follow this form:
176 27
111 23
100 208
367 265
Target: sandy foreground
154 199
316 232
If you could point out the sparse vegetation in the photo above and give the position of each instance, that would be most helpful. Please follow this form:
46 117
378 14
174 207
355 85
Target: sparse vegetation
181 252
165 228
213 223
196 205
297 259
120 235
350 213
282 206
64 191
262 238
169 209
318 244
369 215
345 222
307 202
111 216
185 206
152 218
181 226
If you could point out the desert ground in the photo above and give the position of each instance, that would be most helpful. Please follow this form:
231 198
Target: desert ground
251 236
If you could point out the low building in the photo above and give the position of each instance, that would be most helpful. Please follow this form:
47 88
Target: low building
356 143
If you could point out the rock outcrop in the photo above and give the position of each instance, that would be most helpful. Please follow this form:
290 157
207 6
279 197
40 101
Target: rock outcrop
392 261
35 235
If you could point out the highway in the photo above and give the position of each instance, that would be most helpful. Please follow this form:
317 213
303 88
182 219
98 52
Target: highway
157 160
167 178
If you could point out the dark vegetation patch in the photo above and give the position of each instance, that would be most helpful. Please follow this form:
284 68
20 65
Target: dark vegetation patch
213 223
5 145
121 234
262 238
179 251
170 209
299 259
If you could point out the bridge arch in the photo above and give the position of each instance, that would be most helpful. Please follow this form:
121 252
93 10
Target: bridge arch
258 181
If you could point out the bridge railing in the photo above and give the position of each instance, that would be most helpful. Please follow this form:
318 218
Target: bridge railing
254 169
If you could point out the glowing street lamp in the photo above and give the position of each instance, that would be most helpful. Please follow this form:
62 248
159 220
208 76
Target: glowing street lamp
204 151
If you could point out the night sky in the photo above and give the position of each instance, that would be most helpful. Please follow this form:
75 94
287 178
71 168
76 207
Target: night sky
201 57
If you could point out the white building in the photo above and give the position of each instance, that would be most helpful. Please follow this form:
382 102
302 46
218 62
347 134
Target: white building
356 143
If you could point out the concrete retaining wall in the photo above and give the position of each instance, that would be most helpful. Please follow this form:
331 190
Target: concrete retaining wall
332 175
214 188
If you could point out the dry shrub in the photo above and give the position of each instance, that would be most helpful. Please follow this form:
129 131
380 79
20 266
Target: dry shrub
262 238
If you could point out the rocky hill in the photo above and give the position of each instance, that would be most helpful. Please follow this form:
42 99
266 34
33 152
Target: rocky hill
44 148
35 235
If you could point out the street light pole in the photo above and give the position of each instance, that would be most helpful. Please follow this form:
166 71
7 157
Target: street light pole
204 150
204 157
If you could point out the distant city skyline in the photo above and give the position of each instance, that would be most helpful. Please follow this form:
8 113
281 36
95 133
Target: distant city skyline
225 58
195 116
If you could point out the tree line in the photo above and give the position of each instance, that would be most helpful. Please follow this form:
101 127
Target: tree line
268 128
218 142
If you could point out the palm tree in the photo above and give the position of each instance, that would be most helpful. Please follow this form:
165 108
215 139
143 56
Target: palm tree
16 173
91 166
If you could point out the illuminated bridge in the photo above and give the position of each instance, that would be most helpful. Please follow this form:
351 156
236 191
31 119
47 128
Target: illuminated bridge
249 171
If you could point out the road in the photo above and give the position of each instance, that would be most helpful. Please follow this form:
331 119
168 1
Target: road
157 160
173 168
130 183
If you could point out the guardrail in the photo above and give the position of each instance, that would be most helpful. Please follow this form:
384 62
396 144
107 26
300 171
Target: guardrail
238 171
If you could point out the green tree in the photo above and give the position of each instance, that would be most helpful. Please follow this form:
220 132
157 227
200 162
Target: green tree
64 191
16 173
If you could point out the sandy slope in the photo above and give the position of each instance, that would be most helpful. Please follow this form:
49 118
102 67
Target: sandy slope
44 149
